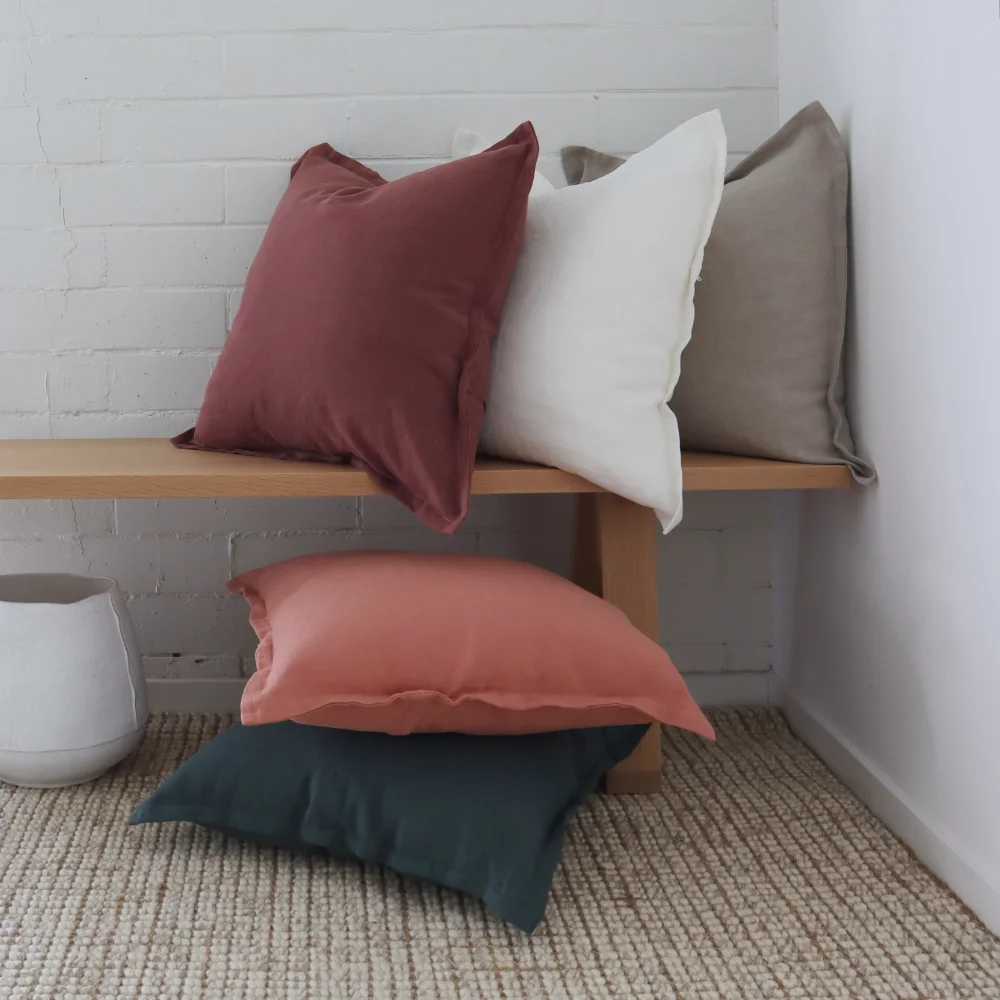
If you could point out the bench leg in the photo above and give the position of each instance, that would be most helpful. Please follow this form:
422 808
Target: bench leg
615 558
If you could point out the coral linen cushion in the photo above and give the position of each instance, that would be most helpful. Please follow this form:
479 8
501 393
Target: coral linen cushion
404 642
365 326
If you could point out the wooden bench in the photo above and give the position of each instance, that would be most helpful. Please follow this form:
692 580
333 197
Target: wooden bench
615 548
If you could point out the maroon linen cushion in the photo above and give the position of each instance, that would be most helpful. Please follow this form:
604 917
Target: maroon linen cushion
366 321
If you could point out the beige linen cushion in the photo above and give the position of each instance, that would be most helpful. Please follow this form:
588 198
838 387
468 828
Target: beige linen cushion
762 373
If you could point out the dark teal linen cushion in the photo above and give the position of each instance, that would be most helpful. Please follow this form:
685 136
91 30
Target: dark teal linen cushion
482 814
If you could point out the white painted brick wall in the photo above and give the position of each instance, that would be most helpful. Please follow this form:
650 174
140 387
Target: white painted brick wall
143 148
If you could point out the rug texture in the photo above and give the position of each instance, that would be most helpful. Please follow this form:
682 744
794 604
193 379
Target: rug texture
754 874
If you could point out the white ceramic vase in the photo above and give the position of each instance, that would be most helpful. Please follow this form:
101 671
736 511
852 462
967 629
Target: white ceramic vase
72 693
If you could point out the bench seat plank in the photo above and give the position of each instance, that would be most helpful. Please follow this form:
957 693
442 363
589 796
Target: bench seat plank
79 469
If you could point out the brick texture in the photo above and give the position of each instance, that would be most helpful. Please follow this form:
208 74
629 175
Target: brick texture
143 148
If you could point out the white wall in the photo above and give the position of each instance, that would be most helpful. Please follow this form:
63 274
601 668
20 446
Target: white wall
896 665
143 147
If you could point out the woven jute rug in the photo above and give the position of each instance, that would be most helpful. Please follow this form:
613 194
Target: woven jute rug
755 874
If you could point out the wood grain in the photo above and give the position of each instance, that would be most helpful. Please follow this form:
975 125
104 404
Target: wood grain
639 773
586 561
79 469
624 537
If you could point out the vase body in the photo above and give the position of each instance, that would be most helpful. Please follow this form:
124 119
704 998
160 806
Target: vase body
72 693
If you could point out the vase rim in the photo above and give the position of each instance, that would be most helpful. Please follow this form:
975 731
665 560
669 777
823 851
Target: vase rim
53 588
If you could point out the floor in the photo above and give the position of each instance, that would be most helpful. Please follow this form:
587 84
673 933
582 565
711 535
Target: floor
754 874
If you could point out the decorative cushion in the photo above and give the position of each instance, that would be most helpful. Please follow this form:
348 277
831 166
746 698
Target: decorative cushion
762 374
466 143
402 642
597 313
482 814
365 326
